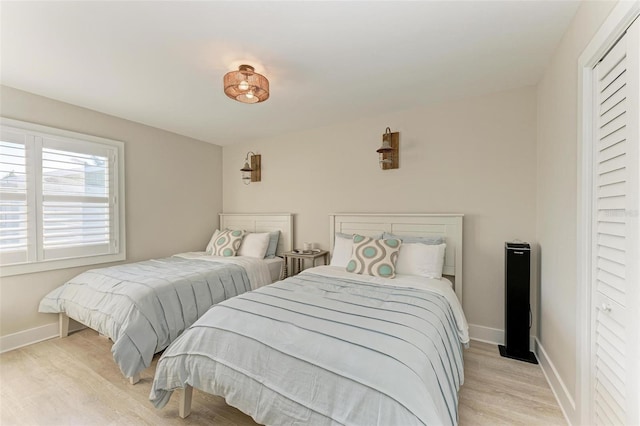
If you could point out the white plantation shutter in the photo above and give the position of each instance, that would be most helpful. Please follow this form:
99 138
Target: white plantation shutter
77 207
16 242
614 365
60 199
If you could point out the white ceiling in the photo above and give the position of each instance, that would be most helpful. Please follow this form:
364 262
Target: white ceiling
162 63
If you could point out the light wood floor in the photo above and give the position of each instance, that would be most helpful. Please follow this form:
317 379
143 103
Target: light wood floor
74 381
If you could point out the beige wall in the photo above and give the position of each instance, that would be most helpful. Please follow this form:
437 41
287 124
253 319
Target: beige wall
557 192
475 156
173 195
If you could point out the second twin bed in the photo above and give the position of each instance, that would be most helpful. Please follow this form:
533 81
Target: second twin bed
144 306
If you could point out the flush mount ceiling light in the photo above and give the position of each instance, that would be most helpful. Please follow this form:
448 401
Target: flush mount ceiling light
246 85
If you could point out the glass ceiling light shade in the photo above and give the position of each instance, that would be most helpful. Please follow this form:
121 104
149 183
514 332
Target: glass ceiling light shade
246 85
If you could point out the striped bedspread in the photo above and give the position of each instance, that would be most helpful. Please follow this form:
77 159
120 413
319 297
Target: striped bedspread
144 306
327 347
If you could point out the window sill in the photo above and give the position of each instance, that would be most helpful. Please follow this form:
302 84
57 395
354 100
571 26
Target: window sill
50 265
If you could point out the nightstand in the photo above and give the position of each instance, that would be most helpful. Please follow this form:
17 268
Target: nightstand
297 261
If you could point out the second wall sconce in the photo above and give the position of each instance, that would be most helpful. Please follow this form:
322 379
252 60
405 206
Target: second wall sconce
388 152
251 169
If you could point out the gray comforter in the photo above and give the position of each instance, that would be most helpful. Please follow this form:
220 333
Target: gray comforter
144 306
321 348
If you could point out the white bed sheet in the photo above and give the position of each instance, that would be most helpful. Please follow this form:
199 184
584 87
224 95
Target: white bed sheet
275 268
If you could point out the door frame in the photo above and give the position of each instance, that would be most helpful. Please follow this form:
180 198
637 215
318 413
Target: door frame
620 18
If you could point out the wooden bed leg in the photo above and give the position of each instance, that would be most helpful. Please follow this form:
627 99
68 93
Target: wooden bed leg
184 408
134 379
63 321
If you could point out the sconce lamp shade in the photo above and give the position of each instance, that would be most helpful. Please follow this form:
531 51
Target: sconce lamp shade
388 152
251 173
246 85
386 147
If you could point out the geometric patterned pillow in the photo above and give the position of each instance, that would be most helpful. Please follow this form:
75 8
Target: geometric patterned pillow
374 257
209 249
227 243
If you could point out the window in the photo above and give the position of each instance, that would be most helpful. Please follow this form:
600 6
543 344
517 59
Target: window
61 199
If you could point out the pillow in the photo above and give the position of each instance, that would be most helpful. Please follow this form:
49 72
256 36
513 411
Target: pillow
374 257
254 244
425 260
227 243
209 249
342 249
273 245
414 239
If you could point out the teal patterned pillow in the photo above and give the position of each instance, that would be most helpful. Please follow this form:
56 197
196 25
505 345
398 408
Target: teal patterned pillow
227 243
374 257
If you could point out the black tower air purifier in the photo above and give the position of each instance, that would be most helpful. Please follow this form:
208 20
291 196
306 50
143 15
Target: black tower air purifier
516 299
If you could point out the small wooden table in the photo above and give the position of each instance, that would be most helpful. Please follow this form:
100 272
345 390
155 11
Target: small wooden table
297 261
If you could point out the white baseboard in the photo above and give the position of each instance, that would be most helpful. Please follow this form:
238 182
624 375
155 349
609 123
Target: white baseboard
486 334
33 335
492 335
559 389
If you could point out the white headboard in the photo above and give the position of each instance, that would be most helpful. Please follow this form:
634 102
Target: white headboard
262 222
448 226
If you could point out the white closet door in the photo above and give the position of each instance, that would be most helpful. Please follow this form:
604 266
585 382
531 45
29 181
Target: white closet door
616 234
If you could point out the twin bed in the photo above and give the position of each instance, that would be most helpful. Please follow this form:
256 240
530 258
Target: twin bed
333 347
144 306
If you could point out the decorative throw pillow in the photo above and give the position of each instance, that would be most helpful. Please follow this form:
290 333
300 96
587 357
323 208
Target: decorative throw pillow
209 249
254 245
343 248
374 257
227 243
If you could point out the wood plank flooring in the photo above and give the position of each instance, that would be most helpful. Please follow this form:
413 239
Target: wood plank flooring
74 381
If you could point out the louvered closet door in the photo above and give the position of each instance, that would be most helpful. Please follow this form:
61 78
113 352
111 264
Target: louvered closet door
614 328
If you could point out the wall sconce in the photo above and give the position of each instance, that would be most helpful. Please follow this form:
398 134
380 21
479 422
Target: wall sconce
251 169
388 152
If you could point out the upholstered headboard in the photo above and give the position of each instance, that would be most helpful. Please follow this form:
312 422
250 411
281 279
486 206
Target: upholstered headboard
262 222
447 226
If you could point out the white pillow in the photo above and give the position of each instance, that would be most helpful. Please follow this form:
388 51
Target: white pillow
254 245
342 250
421 259
210 246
